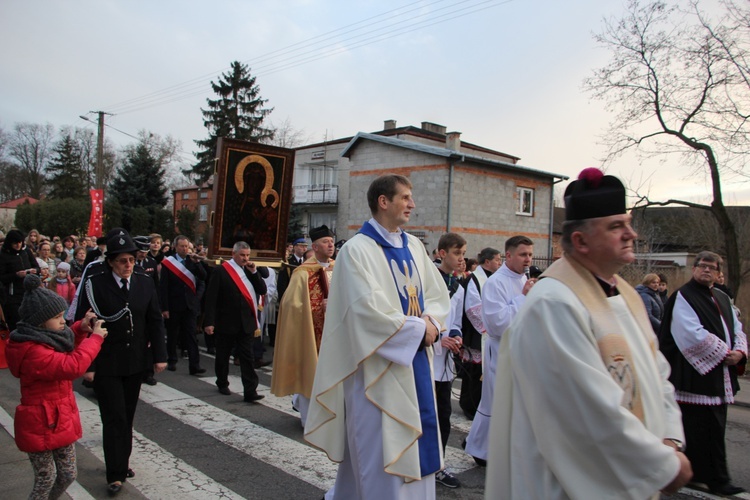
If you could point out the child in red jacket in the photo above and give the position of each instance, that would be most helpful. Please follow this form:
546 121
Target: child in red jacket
61 284
47 355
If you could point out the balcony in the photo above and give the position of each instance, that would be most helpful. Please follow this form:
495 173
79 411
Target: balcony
316 193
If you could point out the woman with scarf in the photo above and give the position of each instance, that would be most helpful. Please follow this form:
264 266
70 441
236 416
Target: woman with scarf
16 261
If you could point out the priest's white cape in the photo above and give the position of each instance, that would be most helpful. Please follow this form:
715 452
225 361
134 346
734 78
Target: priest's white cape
559 427
364 311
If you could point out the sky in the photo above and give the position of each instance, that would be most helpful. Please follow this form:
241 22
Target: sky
507 74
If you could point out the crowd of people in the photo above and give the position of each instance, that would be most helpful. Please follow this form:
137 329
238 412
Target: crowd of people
558 369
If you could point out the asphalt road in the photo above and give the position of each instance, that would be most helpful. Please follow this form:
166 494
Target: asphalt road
192 442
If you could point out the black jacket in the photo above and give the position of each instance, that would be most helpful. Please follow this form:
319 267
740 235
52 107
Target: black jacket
285 275
124 350
175 295
226 309
12 261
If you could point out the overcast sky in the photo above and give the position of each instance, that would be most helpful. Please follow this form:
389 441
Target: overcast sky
507 74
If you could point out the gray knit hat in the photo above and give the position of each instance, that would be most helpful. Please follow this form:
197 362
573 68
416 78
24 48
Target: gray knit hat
39 304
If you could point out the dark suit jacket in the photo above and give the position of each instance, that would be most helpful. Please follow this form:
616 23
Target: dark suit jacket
226 309
124 350
174 293
285 275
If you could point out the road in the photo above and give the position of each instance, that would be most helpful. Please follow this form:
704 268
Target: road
192 442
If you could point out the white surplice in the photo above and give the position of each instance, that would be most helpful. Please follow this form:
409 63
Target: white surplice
363 410
559 428
502 297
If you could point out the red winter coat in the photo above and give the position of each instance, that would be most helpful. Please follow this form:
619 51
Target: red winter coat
47 417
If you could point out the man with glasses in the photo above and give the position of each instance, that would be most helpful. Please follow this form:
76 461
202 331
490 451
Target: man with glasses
704 342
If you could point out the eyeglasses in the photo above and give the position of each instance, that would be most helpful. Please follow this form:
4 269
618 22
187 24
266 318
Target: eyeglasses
130 260
707 267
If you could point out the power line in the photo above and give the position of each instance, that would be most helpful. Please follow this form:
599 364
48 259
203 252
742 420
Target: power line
301 55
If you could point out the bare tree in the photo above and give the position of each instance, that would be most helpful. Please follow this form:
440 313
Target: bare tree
286 136
30 146
678 84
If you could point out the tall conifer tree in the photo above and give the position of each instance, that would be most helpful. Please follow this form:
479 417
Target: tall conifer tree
236 113
67 176
139 182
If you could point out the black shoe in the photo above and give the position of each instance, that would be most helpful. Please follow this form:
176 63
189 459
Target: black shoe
225 391
211 350
150 381
184 354
114 488
130 474
172 367
197 371
727 489
254 398
260 363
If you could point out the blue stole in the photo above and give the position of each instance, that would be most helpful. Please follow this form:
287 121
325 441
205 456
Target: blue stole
409 288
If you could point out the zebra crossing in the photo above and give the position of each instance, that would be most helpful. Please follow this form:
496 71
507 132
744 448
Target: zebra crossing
266 436
191 442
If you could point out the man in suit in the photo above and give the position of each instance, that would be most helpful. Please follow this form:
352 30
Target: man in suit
126 298
232 314
182 283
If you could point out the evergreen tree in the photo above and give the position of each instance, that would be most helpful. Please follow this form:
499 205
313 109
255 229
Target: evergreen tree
237 113
139 182
67 178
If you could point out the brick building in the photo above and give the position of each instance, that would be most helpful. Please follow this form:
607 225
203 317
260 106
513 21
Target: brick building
196 199
484 195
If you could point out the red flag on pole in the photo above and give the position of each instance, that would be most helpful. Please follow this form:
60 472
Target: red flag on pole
97 212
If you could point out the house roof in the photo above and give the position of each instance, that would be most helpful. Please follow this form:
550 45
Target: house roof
18 201
443 152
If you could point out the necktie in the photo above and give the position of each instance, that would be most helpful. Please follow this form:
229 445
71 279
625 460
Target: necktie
124 286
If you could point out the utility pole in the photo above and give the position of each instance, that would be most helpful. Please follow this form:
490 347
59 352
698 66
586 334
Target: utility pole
100 153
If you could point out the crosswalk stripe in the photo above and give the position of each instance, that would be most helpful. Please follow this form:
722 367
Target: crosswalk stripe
160 474
299 460
455 458
75 490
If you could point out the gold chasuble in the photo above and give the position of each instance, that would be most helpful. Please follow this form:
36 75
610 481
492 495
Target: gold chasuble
300 328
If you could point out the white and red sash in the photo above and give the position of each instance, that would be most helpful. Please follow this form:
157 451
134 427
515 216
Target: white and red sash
179 270
244 288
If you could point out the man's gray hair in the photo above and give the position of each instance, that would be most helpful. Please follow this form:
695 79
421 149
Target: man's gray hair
240 245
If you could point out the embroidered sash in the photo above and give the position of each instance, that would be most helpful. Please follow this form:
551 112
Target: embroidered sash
409 287
613 346
245 290
179 270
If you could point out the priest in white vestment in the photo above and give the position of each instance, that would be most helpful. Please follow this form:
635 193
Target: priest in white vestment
502 298
373 402
583 407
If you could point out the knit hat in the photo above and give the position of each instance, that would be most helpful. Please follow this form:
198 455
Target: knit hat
39 304
63 266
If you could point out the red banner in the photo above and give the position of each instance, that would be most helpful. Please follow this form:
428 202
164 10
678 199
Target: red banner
97 212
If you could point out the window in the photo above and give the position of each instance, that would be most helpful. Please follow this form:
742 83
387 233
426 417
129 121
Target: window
185 196
525 201
203 213
204 195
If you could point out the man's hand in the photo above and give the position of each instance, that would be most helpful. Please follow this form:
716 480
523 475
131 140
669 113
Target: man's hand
165 314
430 331
250 266
527 286
209 330
21 273
683 475
733 357
451 343
159 367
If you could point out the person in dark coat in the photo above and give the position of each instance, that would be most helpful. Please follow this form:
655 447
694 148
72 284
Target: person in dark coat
16 261
127 300
649 292
232 315
182 283
296 258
